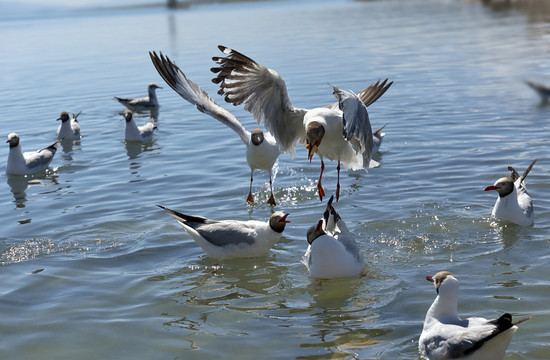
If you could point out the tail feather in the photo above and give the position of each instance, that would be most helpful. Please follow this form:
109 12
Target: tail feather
52 147
183 217
76 116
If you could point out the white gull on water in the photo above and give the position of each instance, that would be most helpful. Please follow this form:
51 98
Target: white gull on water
340 132
332 251
514 202
446 336
69 128
228 239
261 148
141 103
135 133
28 163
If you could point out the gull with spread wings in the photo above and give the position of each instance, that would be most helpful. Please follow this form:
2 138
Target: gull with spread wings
341 131
261 149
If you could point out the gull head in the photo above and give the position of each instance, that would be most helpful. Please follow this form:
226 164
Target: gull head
503 186
278 221
13 140
314 135
440 277
128 115
64 116
257 136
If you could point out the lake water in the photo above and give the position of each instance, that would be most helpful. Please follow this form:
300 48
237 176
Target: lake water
92 269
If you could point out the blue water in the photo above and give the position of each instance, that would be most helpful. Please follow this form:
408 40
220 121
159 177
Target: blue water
91 268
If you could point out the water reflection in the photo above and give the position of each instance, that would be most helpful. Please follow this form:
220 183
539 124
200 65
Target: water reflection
340 325
134 149
334 294
234 279
18 185
67 148
507 233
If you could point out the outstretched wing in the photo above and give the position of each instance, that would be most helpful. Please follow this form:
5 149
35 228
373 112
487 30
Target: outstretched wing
356 125
191 92
515 176
263 93
370 94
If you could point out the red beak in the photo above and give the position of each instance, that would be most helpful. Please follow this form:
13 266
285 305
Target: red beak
492 187
283 219
430 278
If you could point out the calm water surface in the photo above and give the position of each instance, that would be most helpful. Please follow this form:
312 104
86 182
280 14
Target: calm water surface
121 280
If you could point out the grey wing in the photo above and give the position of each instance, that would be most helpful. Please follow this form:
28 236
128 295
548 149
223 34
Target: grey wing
263 93
526 172
39 158
356 125
456 342
223 233
194 94
370 94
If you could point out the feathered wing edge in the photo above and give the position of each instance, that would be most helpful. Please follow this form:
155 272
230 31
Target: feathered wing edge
514 174
356 125
194 94
185 218
503 323
263 93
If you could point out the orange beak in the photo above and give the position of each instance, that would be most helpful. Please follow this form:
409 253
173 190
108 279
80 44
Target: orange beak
312 149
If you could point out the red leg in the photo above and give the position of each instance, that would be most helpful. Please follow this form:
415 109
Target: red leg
271 200
319 186
249 198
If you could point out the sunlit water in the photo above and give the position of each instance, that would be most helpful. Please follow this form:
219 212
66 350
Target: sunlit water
92 269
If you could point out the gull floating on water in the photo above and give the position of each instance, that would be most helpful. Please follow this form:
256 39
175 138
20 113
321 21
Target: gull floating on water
541 89
332 252
340 132
261 148
228 239
138 133
446 336
69 128
513 203
27 163
143 103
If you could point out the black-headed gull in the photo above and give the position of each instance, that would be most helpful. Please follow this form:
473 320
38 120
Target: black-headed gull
261 148
69 128
28 163
143 103
340 132
513 203
541 89
332 252
136 133
446 336
229 239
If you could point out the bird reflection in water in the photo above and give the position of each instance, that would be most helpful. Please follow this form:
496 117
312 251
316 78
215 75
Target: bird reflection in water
19 184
